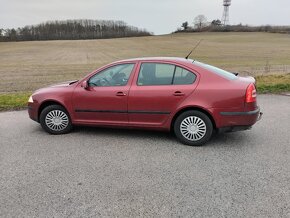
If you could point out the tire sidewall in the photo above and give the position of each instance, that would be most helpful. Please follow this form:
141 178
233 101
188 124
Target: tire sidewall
204 117
43 114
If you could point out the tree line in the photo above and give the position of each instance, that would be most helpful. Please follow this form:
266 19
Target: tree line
201 24
72 30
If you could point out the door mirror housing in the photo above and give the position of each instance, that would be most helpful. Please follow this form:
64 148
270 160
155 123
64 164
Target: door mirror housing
85 84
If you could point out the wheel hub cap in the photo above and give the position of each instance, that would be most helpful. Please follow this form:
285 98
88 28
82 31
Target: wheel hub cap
56 120
193 128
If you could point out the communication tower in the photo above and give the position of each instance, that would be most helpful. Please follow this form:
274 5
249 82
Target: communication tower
226 14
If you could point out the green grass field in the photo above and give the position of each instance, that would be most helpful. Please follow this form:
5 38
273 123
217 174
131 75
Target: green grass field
26 66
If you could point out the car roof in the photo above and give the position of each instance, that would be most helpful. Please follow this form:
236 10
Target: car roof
174 59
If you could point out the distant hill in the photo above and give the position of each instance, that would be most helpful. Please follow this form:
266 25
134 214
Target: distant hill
72 30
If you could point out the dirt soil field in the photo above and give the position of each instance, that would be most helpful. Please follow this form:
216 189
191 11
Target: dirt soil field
26 66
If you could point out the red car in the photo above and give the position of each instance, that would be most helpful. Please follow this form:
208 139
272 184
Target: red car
191 98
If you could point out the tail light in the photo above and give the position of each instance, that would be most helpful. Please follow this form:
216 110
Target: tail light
251 93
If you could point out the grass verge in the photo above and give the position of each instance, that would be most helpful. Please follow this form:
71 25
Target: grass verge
273 84
265 84
13 101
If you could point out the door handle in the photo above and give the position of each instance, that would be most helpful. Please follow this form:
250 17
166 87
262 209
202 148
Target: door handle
178 93
120 94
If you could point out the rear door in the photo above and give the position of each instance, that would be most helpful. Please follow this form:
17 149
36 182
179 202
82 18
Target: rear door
156 91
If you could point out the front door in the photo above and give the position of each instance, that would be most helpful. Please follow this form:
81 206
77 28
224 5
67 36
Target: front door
105 99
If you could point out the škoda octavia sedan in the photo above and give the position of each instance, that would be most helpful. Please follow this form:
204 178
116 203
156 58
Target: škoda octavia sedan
188 97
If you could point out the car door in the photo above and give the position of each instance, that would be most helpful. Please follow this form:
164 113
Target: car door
157 91
105 98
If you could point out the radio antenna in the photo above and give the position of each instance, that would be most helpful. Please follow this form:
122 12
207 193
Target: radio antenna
193 49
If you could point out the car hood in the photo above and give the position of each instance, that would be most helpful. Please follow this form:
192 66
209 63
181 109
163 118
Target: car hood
63 84
56 86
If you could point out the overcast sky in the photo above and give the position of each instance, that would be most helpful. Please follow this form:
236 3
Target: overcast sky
158 16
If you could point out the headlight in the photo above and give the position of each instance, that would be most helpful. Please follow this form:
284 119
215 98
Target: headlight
30 100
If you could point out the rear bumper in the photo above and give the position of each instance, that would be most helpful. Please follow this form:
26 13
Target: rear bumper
243 119
260 116
233 129
242 113
241 128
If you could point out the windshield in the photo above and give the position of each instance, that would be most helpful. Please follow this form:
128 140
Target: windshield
216 70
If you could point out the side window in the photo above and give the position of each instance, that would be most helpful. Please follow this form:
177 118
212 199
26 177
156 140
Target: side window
183 77
155 74
164 74
113 76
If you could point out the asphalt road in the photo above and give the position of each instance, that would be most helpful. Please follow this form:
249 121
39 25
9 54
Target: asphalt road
95 172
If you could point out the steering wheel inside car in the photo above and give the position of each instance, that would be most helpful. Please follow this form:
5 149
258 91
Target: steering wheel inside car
104 82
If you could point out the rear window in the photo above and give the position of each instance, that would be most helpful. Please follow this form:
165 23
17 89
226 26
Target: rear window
216 70
164 74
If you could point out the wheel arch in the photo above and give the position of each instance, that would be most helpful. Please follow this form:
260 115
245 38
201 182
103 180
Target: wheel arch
189 108
48 103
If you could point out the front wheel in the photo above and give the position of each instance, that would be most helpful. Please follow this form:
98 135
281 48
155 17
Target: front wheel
193 128
54 119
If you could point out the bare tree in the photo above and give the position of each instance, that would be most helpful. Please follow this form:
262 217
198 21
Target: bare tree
200 22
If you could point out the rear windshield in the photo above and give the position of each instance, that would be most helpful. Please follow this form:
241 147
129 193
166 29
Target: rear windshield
216 70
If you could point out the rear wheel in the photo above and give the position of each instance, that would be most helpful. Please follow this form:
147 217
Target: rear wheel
54 119
193 128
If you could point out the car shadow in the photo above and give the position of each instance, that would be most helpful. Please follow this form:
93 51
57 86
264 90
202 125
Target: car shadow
217 140
115 132
232 139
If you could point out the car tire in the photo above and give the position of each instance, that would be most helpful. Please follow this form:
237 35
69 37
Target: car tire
193 128
54 119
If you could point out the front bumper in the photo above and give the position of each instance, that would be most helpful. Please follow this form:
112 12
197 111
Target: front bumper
32 112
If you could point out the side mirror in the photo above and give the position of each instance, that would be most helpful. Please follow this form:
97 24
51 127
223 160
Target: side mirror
85 84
